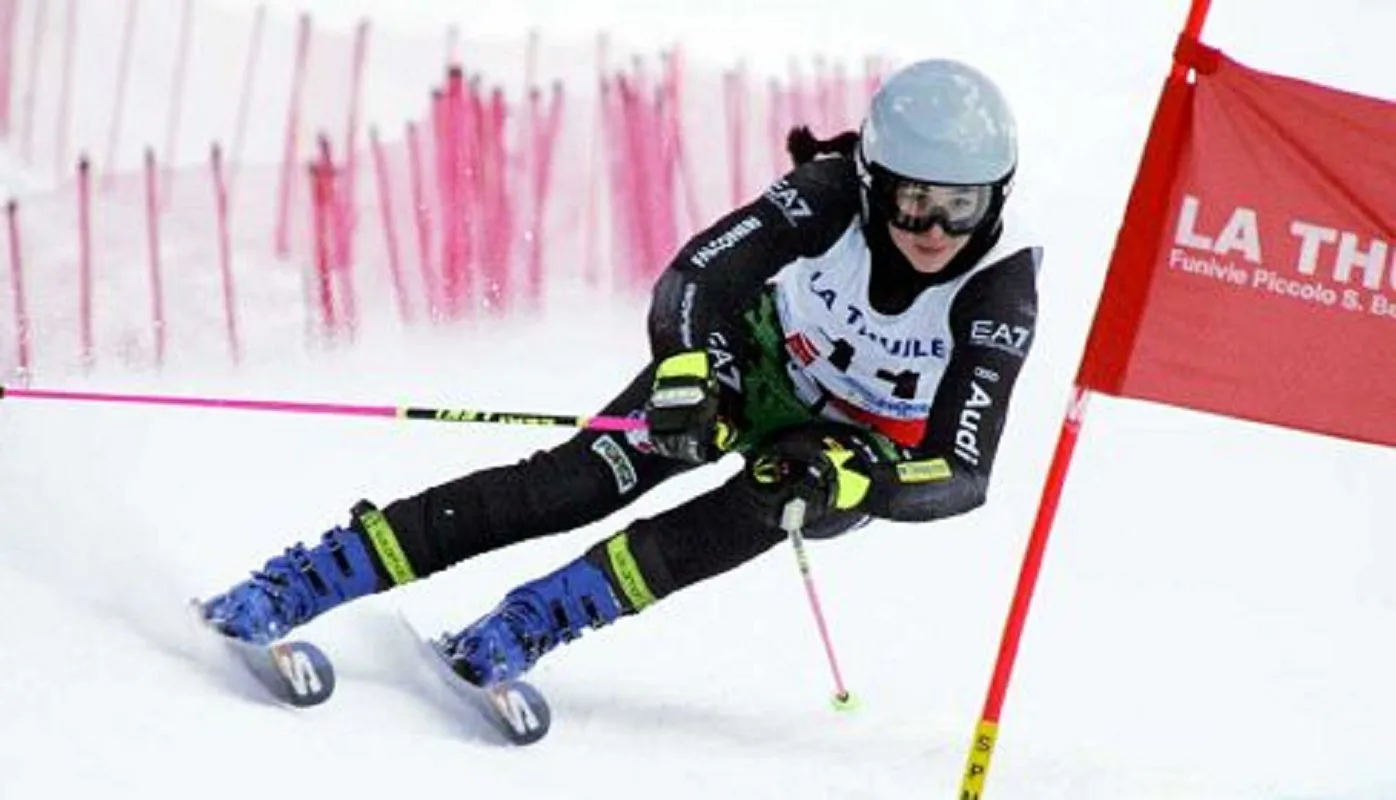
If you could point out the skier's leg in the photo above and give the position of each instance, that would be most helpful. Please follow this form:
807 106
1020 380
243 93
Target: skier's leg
621 575
584 479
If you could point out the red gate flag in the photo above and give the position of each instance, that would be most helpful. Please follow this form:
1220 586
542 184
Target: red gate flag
1255 271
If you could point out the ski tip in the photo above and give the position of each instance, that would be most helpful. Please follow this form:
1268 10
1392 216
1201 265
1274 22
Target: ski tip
521 712
307 676
517 711
294 672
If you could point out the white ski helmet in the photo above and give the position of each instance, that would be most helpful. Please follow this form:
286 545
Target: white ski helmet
937 123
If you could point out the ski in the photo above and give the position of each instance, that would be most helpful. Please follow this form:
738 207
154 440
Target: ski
294 673
514 710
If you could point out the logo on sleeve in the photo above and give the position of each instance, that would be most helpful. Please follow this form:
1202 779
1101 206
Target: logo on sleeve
725 366
787 198
1011 339
971 414
725 241
621 468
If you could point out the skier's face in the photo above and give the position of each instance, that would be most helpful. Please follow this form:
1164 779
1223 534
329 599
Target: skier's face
930 250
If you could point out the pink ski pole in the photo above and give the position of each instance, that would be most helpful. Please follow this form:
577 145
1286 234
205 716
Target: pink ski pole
792 520
596 423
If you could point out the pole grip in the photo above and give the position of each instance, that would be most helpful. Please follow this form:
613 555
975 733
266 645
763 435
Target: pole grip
792 516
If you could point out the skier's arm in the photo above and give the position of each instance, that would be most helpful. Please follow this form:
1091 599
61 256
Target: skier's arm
698 301
948 472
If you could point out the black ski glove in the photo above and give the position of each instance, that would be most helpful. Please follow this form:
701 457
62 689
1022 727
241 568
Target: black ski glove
683 410
829 467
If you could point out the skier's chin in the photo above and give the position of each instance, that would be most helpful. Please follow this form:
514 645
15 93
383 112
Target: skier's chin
928 253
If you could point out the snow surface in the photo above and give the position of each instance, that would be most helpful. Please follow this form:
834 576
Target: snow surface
1214 620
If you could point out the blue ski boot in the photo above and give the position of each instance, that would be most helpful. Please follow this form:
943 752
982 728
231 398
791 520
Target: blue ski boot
294 587
533 619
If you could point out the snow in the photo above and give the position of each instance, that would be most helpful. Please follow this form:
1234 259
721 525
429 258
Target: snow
1214 617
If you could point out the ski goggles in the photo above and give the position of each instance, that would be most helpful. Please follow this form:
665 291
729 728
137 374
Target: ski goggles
915 206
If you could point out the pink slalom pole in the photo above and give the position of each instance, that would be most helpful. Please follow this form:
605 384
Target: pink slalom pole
152 229
9 16
123 73
493 231
169 401
603 183
659 126
498 213
65 97
614 94
679 166
340 291
421 218
356 81
341 222
799 98
545 148
823 97
36 49
671 171
464 218
839 89
635 175
591 269
450 146
872 77
734 86
282 243
22 326
530 157
225 257
641 181
85 338
443 153
321 192
535 45
350 172
443 146
469 181
176 112
390 236
792 522
625 161
249 81
777 125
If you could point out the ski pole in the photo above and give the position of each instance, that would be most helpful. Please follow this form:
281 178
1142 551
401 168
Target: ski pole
792 520
597 423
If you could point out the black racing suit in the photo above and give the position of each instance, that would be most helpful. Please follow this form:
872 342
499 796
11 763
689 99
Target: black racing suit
715 295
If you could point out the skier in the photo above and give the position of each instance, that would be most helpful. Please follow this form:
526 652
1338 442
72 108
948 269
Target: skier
854 334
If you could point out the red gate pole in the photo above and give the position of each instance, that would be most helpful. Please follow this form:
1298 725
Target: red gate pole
986 732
